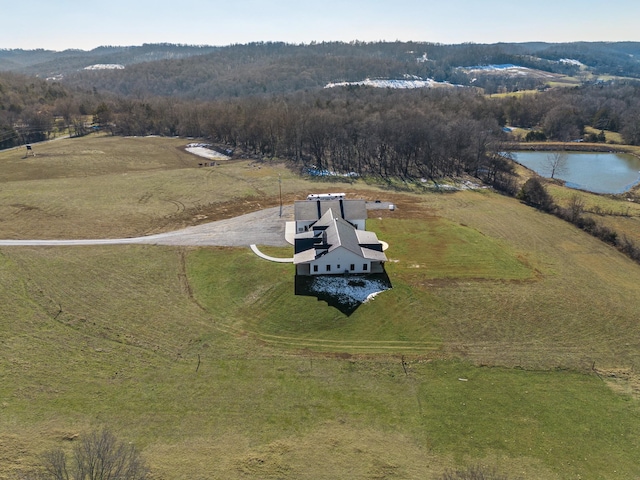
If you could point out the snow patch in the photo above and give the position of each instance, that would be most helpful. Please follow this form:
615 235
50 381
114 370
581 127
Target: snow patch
204 150
494 68
508 69
464 185
314 172
105 66
407 83
571 61
348 290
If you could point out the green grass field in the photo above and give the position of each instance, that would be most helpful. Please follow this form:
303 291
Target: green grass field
509 339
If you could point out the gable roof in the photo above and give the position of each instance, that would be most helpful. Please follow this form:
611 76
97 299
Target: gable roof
325 221
342 234
330 233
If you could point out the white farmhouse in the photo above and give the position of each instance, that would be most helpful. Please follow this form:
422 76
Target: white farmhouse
332 245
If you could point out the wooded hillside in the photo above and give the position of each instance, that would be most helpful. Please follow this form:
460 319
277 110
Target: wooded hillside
273 67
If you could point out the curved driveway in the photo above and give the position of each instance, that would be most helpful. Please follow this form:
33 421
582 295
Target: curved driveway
265 227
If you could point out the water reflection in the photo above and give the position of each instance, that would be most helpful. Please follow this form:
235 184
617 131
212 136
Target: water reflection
595 172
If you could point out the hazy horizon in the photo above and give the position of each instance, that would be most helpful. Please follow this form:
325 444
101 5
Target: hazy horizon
63 25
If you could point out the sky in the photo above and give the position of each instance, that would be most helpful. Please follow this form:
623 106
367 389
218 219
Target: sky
65 24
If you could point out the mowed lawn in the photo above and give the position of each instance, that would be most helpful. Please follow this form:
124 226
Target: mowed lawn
509 339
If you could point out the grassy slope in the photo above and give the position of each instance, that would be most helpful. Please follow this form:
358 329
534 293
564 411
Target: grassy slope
621 216
574 314
112 335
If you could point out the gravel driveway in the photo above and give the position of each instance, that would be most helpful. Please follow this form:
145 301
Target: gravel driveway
264 227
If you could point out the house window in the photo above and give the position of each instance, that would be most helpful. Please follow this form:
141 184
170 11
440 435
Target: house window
364 267
328 268
315 268
338 266
352 267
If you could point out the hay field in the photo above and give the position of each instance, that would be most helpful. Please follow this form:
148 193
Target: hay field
509 340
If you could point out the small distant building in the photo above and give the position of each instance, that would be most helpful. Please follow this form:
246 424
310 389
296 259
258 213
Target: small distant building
333 245
325 196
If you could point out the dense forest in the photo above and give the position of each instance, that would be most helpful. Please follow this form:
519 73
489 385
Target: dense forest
275 68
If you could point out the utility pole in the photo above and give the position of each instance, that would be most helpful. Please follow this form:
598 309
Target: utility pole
280 187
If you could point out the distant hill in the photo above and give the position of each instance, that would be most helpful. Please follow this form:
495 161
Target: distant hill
48 63
207 72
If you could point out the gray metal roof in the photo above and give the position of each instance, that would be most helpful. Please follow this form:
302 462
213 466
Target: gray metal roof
339 234
343 234
304 256
307 210
326 220
373 254
365 236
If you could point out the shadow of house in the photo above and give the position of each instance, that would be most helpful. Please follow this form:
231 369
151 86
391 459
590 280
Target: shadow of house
343 292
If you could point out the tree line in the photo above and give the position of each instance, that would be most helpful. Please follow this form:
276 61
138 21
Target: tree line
426 133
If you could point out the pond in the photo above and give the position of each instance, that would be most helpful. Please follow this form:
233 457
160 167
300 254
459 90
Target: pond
595 172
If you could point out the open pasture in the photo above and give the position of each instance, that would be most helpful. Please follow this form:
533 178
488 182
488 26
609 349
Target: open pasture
510 339
110 187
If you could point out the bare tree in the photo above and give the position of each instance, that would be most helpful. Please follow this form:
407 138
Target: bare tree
97 456
55 465
556 163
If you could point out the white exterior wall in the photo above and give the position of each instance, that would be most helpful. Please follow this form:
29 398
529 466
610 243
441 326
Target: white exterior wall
342 257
